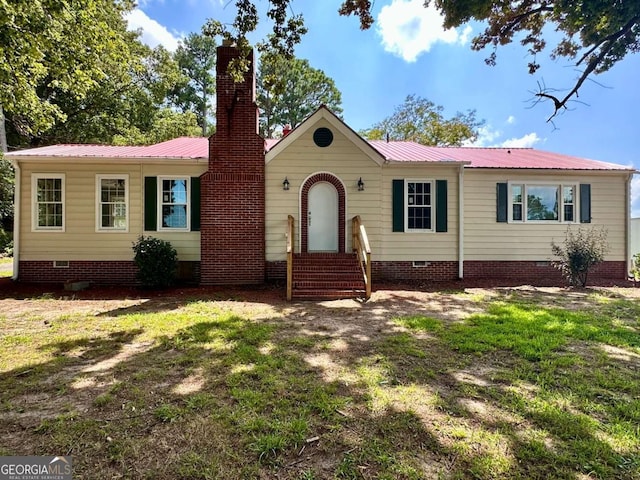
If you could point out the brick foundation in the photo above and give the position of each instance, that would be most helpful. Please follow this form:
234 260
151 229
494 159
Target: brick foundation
442 271
277 270
97 272
102 273
438 271
543 270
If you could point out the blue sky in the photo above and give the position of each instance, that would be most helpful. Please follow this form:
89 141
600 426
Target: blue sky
408 52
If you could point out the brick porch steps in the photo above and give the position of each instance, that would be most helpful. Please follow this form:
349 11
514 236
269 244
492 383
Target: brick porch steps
327 275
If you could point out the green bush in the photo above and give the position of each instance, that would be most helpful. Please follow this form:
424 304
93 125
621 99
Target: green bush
582 250
156 261
635 270
6 243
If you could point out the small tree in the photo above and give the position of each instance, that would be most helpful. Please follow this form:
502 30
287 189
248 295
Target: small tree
156 261
581 250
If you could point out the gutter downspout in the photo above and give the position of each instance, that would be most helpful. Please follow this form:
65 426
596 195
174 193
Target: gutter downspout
461 222
627 253
16 219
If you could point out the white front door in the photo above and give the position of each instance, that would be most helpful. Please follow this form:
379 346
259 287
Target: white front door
322 218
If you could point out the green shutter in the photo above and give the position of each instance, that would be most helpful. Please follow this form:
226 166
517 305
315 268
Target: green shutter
150 203
585 203
502 202
195 204
441 205
397 197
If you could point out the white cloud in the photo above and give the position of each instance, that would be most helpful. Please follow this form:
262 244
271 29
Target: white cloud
511 120
153 33
486 136
408 29
526 141
489 137
635 196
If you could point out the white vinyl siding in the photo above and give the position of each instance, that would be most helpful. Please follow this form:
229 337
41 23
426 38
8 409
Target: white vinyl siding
486 239
112 203
81 240
48 201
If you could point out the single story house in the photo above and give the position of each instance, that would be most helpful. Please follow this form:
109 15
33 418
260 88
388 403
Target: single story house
242 210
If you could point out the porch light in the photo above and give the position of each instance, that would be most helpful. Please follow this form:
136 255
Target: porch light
285 184
360 185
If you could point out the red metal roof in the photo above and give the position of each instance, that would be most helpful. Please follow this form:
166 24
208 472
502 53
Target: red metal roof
488 157
181 147
475 157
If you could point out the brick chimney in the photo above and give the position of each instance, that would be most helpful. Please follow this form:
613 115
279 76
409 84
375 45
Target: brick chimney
232 190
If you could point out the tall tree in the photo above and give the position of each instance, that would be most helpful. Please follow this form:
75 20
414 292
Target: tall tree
289 90
420 120
52 48
128 106
196 57
595 34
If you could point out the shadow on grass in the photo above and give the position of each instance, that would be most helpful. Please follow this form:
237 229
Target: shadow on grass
227 396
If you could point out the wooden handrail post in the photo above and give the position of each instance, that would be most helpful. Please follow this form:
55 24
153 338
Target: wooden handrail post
363 250
289 257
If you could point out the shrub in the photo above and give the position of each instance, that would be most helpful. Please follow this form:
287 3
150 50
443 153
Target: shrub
156 261
581 251
635 270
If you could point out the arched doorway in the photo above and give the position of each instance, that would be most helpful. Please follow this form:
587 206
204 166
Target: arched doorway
322 218
322 214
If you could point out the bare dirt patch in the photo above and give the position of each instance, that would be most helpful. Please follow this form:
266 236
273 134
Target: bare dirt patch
402 387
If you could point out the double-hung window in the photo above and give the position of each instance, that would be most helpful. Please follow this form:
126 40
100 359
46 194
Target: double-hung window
419 205
542 202
48 201
173 196
112 199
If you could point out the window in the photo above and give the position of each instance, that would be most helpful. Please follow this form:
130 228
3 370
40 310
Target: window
419 204
112 198
174 203
48 201
516 202
542 203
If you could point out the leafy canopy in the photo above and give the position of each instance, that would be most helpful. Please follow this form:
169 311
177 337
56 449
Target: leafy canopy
595 34
52 48
420 120
289 90
70 72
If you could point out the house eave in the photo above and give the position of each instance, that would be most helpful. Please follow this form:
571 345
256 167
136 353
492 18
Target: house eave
111 160
599 171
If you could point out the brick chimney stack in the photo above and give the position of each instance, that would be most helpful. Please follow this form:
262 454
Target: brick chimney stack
232 190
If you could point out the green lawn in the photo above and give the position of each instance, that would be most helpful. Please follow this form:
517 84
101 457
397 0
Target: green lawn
480 384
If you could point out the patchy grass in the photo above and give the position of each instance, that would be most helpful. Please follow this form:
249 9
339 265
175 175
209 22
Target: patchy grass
496 384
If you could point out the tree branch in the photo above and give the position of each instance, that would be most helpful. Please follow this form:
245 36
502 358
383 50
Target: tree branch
519 18
609 43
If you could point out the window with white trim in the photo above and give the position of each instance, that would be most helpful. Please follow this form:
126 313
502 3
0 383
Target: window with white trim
542 202
48 201
419 203
173 196
112 200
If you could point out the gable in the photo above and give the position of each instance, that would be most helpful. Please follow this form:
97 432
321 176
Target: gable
323 130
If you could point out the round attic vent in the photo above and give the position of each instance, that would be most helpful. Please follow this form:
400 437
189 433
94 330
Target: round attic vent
323 137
